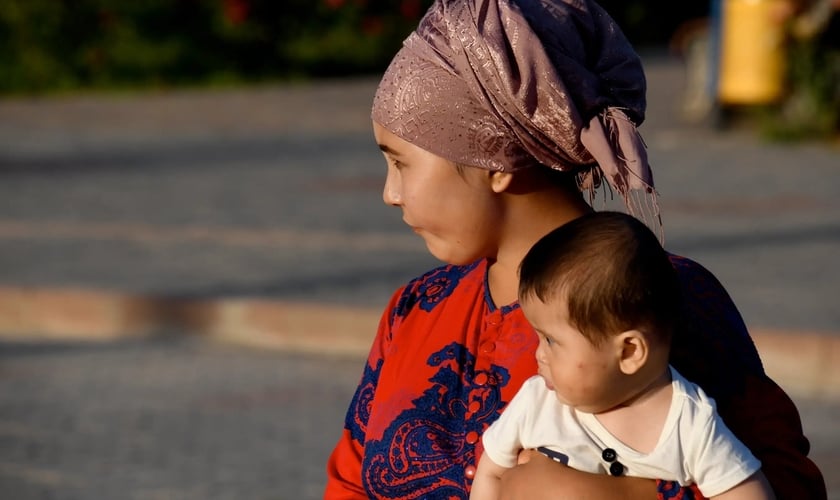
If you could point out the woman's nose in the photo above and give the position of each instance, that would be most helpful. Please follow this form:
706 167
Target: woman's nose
390 193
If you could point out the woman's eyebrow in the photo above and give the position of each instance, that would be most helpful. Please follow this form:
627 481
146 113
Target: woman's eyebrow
385 149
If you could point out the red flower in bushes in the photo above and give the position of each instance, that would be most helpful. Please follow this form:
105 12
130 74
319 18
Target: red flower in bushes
410 9
236 11
372 25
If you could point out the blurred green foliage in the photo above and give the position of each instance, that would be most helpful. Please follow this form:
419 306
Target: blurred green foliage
64 44
811 109
55 45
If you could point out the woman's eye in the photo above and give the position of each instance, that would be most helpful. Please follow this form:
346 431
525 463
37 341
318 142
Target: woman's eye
394 163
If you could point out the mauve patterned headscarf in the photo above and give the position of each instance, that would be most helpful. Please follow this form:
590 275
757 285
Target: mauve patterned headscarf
505 84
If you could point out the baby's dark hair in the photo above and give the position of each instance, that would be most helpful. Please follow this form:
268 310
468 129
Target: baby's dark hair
613 273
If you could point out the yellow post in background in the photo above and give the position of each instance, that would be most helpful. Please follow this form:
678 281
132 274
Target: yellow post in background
752 52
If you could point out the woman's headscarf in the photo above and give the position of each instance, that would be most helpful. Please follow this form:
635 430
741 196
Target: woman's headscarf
502 84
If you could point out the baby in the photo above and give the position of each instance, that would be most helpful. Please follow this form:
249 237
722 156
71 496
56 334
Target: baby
604 299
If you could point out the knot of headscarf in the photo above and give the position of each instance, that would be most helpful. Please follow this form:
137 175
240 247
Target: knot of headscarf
505 84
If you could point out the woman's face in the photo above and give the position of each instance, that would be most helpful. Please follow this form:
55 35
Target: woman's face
455 212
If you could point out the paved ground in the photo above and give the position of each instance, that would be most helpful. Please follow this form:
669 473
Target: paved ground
174 418
181 418
256 215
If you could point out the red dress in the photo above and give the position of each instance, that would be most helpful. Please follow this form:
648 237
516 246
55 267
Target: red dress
446 361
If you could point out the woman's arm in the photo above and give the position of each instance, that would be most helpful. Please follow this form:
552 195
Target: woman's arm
765 419
344 470
715 351
344 467
538 477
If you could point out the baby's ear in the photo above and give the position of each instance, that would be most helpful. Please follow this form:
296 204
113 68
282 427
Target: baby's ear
500 181
633 351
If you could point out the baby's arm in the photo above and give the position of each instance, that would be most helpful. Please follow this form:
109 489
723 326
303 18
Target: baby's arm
755 487
485 485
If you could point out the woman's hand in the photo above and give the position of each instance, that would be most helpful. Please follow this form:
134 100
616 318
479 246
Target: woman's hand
538 477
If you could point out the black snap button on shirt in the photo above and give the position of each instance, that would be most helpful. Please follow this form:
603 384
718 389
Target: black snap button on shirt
609 455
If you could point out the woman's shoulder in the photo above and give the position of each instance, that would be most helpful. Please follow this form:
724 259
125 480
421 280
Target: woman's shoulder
436 285
712 328
705 300
688 268
699 282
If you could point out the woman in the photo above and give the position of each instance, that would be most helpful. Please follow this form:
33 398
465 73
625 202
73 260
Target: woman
493 118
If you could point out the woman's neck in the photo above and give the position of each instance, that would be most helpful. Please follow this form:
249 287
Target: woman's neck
528 217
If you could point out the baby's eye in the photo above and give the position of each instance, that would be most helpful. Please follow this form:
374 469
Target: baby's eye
548 340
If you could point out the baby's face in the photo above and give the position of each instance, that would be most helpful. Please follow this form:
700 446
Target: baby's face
580 373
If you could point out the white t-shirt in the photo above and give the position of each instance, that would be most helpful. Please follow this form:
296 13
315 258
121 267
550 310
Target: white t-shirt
695 445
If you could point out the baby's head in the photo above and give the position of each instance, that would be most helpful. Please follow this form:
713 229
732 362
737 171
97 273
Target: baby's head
603 296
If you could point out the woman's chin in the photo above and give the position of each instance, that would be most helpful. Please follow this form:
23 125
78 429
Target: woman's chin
439 251
446 253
